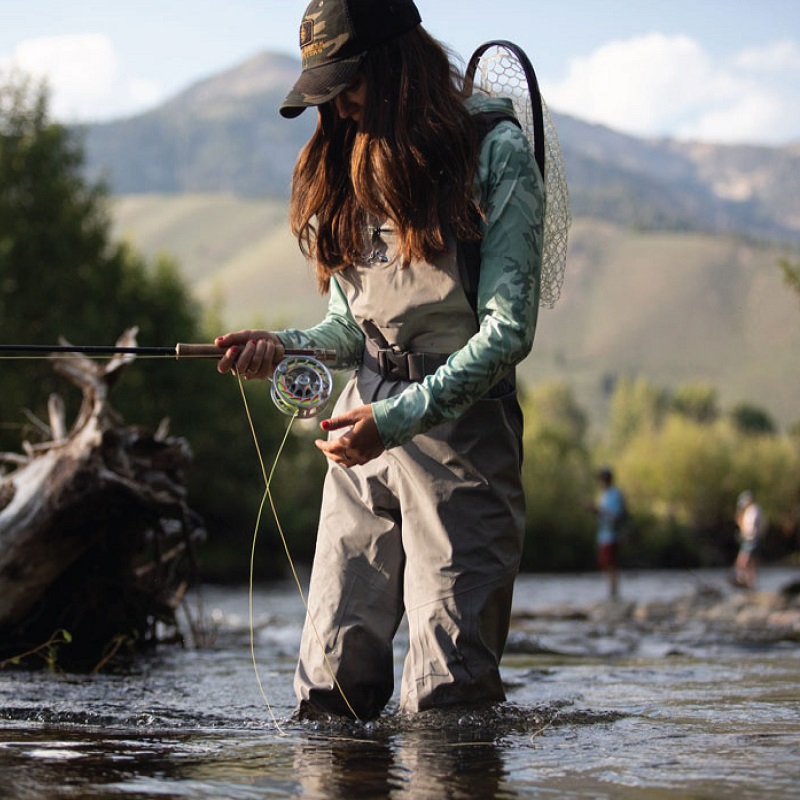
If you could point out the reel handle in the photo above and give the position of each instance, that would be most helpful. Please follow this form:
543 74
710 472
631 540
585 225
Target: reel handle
184 350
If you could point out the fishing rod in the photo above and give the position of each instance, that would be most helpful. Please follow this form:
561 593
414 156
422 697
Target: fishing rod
301 383
180 350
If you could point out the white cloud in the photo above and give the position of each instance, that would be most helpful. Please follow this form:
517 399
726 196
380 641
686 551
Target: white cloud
650 85
86 78
753 117
775 58
657 85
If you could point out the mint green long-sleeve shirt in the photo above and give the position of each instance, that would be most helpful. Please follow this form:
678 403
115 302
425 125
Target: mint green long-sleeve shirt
512 197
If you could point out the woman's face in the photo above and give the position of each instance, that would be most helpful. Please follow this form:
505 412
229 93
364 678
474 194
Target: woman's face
349 103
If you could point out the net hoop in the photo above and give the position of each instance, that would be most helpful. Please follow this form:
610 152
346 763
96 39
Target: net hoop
500 68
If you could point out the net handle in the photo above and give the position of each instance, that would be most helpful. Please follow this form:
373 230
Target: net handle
533 90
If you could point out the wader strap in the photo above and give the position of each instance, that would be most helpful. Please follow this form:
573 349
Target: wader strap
390 362
469 253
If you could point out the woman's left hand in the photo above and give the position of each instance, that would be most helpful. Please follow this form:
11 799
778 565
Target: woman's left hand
356 446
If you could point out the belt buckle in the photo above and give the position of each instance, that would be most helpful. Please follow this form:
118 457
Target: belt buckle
393 363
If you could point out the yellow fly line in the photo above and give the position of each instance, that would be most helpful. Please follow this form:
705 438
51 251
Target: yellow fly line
268 497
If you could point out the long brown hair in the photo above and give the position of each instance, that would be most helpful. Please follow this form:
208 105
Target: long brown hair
412 162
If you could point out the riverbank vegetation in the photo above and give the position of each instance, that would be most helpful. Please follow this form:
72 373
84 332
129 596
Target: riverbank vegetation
681 461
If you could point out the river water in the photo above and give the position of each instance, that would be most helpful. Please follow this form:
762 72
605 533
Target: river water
597 708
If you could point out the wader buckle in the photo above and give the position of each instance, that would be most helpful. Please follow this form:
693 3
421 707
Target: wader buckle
396 364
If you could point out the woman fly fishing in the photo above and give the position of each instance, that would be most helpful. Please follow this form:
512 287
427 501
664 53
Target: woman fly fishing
423 508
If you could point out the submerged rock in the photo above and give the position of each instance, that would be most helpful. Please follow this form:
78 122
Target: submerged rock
707 614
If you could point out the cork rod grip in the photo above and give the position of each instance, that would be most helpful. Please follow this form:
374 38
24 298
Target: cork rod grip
184 350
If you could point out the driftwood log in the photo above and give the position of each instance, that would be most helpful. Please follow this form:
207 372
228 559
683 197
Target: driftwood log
96 537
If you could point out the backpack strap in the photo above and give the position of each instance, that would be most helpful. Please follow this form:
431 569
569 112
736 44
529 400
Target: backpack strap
469 253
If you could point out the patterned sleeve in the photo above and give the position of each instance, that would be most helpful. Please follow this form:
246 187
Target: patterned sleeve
508 294
338 331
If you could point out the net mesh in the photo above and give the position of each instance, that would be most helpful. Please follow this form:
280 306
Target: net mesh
499 73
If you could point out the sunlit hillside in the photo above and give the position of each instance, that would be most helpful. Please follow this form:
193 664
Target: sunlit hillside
675 307
236 253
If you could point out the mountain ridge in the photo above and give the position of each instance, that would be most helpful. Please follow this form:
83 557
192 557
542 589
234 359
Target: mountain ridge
224 134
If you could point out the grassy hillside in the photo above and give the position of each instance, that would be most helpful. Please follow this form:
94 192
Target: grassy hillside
234 252
674 307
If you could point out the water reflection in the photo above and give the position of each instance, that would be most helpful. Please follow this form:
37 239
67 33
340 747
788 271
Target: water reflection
413 766
454 769
412 763
346 769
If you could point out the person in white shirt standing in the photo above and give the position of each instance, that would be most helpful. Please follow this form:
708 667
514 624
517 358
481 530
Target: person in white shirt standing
750 520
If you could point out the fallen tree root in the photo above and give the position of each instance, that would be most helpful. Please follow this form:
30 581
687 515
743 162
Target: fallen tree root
96 537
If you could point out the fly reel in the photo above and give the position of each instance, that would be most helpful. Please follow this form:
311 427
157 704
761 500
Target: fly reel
301 386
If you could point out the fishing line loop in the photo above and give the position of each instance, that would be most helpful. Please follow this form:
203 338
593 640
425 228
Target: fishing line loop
267 496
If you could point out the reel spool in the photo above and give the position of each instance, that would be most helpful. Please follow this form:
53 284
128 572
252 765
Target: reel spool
301 385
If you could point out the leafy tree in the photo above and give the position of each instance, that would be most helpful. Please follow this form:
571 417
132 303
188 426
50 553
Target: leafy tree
636 406
769 465
61 275
558 478
697 401
791 274
749 418
683 469
53 244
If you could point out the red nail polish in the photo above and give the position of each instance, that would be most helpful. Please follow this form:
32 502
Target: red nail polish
326 425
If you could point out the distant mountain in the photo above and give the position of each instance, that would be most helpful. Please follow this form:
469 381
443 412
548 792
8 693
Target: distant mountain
224 134
662 184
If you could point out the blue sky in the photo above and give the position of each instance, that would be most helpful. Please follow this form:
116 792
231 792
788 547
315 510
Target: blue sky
712 70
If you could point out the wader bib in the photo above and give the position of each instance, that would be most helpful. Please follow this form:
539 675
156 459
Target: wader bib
432 529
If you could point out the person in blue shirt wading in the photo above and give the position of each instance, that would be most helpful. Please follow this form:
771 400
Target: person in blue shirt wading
611 514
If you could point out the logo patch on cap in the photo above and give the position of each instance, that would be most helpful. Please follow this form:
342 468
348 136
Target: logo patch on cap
306 32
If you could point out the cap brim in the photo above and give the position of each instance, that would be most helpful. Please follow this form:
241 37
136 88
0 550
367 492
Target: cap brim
319 85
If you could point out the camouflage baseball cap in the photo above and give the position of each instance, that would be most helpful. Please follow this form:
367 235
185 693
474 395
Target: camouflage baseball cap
335 35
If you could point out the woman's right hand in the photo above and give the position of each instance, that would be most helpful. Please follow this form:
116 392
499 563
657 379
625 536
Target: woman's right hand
251 354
